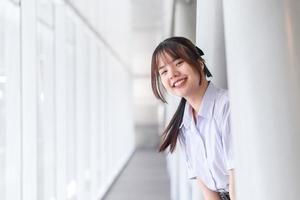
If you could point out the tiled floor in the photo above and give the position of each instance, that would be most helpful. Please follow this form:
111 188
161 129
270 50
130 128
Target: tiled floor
144 178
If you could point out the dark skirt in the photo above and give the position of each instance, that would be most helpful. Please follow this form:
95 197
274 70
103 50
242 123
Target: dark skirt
224 195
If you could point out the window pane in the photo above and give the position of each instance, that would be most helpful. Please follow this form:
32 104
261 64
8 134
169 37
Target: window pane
46 123
72 184
2 106
9 101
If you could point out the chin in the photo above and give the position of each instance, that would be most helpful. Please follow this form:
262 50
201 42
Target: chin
179 94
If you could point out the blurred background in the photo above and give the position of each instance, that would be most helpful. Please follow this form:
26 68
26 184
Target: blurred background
78 119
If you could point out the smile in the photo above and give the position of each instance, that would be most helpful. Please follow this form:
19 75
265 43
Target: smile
179 83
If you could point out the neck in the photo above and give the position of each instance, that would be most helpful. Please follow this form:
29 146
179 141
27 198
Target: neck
195 99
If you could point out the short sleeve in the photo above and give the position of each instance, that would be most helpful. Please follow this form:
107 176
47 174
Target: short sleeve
227 137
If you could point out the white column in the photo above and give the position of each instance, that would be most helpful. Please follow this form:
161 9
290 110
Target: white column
82 115
94 125
61 100
210 38
29 100
263 47
185 19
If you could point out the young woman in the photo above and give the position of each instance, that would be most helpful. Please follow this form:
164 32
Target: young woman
202 120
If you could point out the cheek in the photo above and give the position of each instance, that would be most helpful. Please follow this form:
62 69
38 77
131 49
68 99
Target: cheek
196 76
165 83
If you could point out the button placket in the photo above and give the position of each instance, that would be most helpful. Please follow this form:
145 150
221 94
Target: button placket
204 149
187 142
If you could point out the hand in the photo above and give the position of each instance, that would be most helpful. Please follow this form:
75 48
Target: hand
231 185
207 193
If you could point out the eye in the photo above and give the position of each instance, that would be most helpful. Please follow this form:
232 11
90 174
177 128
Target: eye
162 72
179 63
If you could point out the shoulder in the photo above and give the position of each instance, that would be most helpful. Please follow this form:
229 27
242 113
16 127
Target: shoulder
221 100
222 105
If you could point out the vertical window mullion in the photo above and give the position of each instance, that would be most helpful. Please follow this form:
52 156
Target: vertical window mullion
29 99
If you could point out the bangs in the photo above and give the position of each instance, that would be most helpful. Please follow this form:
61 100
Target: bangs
174 51
168 52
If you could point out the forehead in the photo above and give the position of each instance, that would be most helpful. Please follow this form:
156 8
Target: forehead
164 58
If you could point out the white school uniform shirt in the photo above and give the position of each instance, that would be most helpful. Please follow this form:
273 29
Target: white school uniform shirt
207 145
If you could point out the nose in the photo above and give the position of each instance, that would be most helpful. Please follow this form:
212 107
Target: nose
173 73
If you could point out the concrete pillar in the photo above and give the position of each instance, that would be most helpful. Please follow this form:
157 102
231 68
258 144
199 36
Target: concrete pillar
210 38
263 47
185 19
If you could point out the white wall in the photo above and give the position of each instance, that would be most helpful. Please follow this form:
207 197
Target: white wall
65 102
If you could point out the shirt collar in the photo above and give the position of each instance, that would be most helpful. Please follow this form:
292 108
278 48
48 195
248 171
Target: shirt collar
206 107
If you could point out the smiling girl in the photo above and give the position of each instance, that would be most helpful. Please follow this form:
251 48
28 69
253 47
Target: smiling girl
201 122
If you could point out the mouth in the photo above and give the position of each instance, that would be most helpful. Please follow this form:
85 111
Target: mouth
179 83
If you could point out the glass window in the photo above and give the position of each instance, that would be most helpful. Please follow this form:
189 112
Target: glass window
72 184
9 101
45 11
46 121
82 113
2 105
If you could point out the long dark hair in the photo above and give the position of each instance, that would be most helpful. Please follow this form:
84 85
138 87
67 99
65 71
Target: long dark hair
175 47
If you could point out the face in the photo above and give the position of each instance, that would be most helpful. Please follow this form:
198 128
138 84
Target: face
177 76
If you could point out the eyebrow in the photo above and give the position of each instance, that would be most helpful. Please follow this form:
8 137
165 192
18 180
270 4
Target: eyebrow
161 67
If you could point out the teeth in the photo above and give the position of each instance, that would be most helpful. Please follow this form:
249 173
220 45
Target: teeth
177 83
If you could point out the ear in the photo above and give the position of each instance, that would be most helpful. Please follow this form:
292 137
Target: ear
201 64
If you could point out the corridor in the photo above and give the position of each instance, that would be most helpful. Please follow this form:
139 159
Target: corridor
144 178
79 120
